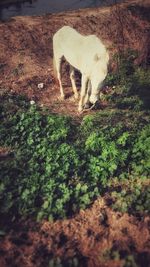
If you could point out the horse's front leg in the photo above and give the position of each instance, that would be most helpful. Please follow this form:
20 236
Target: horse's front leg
87 97
72 78
84 81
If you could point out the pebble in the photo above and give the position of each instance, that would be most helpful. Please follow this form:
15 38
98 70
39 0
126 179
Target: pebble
40 85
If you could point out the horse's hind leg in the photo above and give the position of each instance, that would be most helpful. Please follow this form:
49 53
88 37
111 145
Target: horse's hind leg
72 78
58 71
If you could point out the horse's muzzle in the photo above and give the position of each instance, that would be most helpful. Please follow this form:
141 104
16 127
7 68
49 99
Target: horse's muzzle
90 105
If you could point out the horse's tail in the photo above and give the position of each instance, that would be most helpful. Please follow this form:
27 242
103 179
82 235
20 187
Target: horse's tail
54 59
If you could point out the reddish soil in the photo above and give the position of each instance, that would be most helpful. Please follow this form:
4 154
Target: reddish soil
26 48
26 61
89 236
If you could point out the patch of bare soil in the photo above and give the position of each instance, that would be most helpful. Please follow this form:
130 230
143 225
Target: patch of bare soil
25 61
93 237
26 48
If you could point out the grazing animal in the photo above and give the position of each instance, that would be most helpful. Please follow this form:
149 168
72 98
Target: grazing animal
86 54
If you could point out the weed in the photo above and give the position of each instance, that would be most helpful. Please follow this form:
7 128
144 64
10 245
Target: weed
18 70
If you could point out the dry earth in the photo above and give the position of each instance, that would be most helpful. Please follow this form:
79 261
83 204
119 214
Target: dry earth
88 236
26 61
26 48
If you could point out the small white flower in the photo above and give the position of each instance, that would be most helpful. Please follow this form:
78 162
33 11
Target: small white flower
40 85
32 102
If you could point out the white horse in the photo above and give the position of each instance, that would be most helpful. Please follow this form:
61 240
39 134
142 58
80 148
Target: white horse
86 54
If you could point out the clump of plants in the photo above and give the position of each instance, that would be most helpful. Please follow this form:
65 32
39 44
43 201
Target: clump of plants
130 195
58 166
129 83
124 67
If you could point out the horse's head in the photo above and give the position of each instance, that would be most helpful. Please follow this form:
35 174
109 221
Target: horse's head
97 78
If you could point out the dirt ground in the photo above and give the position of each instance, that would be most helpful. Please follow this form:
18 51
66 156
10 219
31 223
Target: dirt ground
26 48
89 236
26 61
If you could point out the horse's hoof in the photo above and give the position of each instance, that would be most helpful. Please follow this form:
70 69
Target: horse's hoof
80 113
87 105
62 97
76 96
80 110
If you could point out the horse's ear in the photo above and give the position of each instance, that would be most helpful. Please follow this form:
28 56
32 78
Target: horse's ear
96 57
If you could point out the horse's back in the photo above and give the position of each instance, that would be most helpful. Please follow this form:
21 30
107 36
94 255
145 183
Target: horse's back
66 33
67 42
69 38
81 51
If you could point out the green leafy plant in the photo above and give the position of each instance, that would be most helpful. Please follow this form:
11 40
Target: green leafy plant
141 152
58 166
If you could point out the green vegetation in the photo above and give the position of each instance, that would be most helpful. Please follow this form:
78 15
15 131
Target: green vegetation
128 260
130 195
57 166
